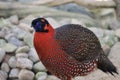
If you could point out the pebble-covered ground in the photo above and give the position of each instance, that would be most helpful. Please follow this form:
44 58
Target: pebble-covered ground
19 60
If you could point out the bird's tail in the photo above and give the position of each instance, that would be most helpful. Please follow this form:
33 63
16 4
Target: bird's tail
105 64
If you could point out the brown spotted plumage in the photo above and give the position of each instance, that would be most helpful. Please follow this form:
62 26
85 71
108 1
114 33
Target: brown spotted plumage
70 50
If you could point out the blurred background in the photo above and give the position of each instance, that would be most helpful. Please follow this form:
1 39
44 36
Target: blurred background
18 58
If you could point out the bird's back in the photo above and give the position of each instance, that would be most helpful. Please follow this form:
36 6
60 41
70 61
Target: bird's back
78 42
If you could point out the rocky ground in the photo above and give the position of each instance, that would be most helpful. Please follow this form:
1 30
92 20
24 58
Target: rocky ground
19 60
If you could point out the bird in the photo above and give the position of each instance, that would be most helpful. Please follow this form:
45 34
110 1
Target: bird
70 50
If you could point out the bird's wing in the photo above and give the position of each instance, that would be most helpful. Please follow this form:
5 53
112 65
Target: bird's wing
79 42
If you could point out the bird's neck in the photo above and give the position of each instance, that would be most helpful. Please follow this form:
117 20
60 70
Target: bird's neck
52 31
45 45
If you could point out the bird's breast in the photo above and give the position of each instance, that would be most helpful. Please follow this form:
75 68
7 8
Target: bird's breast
57 61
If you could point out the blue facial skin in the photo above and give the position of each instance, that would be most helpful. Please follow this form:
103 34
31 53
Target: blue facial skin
39 25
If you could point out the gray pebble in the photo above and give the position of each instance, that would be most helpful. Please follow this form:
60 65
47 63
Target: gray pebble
117 33
14 19
24 63
2 34
3 75
14 73
39 67
28 39
115 52
9 47
19 32
8 36
41 76
15 41
52 77
33 55
23 49
5 67
12 62
21 55
25 27
2 54
2 42
26 75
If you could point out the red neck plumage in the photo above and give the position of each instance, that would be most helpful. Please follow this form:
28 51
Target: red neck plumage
45 44
52 31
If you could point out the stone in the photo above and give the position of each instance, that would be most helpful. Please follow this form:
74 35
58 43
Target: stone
27 20
26 75
33 55
39 67
2 54
117 33
3 75
23 49
14 73
28 39
25 27
14 19
25 1
6 23
2 42
19 32
75 21
64 21
53 23
115 51
2 34
25 23
36 2
106 49
24 63
5 30
107 12
109 32
21 55
5 67
8 36
9 48
113 24
41 76
89 22
109 40
15 41
73 7
12 62
51 77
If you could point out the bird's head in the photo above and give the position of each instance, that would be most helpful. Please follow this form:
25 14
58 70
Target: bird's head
40 25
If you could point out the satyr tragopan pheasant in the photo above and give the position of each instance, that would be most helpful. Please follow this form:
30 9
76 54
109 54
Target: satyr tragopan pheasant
70 50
